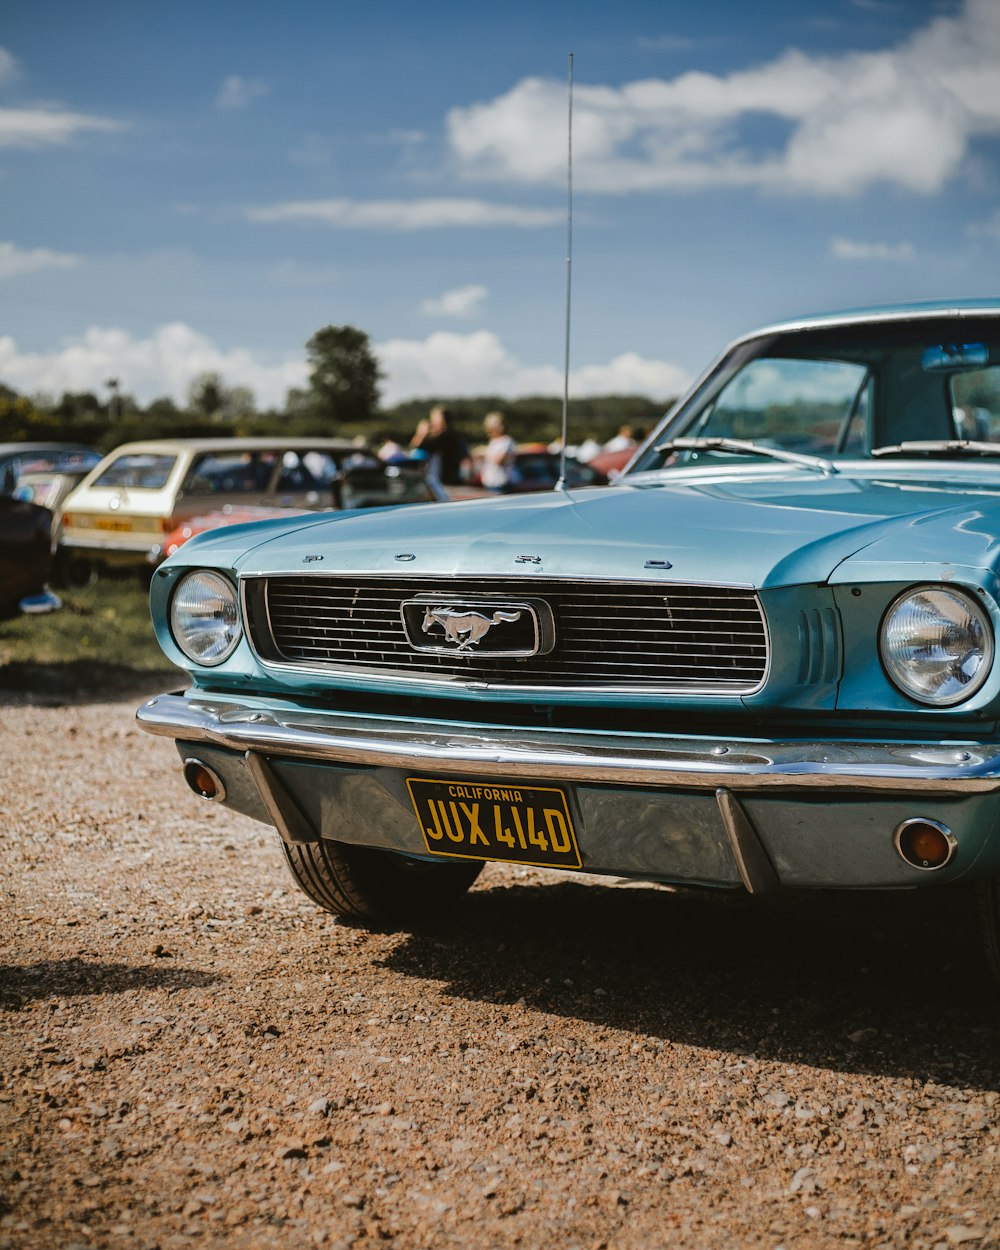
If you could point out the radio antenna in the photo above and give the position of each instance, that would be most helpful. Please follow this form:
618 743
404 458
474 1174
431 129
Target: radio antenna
561 484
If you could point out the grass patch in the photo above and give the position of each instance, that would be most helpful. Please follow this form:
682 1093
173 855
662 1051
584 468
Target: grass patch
100 641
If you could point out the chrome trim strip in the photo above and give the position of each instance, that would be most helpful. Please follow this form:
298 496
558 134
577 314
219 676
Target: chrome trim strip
569 755
394 680
864 317
525 579
758 873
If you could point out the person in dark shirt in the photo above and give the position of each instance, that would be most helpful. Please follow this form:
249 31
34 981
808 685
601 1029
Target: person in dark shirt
445 447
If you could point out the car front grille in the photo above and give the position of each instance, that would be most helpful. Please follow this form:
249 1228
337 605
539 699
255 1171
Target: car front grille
607 634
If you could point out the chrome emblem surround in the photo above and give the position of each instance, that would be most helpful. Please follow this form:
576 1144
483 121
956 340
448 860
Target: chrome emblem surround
492 628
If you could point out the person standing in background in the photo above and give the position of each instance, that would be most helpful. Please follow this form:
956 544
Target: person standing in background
443 445
499 471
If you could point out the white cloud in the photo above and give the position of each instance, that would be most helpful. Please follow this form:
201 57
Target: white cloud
852 249
237 92
427 214
163 364
463 301
43 127
442 365
989 229
904 116
446 365
8 67
16 260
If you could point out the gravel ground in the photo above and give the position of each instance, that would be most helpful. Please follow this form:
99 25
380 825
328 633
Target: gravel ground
191 1053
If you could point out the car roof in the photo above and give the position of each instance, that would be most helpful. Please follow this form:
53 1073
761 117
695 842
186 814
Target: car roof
880 314
8 450
175 445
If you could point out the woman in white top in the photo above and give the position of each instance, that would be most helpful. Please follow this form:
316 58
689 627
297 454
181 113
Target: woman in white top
499 471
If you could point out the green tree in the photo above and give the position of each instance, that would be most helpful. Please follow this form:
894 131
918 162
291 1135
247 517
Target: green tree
21 419
344 375
207 395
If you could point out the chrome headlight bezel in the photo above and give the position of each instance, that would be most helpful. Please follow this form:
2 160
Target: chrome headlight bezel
906 673
204 616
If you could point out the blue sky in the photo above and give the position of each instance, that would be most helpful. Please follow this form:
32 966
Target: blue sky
199 187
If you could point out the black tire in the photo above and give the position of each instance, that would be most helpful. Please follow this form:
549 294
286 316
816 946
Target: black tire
72 572
364 883
989 919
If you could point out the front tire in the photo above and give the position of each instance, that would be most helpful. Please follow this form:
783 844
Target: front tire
363 883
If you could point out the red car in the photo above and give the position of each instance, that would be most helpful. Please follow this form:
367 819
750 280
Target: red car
230 515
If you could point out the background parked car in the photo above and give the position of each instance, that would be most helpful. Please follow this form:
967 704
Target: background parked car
17 459
26 524
611 463
50 489
25 557
230 515
121 512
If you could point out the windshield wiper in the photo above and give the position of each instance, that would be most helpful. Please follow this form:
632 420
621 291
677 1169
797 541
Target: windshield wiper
743 447
940 447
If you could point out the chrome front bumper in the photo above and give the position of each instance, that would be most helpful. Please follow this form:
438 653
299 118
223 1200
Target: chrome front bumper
272 728
720 812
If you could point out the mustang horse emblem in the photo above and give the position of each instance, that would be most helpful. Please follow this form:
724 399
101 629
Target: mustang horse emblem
456 623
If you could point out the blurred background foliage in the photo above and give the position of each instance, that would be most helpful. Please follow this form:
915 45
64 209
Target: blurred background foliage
342 399
100 642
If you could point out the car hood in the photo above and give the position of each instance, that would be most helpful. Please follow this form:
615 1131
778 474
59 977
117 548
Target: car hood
752 529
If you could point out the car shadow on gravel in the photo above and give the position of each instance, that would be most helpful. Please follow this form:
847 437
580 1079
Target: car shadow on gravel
69 978
889 983
81 681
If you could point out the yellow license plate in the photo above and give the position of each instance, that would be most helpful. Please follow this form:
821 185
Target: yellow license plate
512 823
119 525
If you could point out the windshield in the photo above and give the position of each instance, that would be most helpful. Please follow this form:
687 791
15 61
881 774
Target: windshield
844 393
812 406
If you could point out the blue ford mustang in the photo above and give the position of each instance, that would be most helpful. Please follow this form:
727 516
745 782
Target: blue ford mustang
765 659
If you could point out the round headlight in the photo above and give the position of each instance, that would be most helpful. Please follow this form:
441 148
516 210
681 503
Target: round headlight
936 645
205 617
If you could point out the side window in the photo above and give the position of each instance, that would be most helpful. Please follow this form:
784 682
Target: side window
232 473
295 475
975 404
813 406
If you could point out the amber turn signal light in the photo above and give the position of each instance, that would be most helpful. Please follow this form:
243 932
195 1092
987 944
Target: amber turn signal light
925 844
203 780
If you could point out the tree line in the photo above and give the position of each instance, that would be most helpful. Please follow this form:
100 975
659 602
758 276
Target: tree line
342 397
